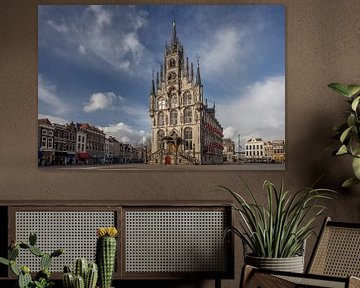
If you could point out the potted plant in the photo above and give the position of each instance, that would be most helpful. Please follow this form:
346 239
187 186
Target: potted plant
348 132
42 278
276 233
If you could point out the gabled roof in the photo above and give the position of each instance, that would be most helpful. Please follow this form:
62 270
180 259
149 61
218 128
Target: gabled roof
44 121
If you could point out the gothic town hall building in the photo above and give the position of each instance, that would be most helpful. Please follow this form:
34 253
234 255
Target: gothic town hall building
184 130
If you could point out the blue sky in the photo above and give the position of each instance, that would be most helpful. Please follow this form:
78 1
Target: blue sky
96 62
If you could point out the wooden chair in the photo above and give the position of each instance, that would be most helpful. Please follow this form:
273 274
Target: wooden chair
335 262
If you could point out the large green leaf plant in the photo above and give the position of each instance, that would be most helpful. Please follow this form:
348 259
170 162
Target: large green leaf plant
280 228
348 132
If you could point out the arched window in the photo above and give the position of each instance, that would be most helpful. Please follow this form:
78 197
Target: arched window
161 119
160 136
187 115
187 138
173 100
187 98
172 63
161 103
172 76
173 117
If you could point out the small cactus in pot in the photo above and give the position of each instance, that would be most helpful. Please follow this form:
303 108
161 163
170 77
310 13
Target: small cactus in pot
106 254
85 275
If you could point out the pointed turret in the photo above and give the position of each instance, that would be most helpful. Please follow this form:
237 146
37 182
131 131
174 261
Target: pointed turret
157 81
161 73
187 66
192 73
152 84
198 78
173 35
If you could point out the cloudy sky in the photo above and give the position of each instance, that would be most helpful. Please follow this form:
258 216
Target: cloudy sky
96 62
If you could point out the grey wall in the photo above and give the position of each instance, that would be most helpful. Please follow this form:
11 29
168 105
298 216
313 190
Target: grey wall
322 46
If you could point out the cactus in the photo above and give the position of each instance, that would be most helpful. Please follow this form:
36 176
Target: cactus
80 267
42 278
79 282
36 251
32 238
88 273
13 253
45 261
105 254
24 280
91 276
68 280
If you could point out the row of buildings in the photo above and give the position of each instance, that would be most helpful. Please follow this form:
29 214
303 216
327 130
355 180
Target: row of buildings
255 150
81 143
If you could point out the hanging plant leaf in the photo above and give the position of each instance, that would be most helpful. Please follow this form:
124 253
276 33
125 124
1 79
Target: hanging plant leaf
340 88
356 167
349 182
345 134
351 120
342 150
355 103
353 89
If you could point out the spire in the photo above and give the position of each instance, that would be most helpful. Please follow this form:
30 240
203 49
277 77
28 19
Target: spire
192 72
161 73
157 81
187 66
153 84
173 36
198 78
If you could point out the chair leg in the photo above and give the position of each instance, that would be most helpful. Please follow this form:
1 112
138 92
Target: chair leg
250 278
246 273
217 283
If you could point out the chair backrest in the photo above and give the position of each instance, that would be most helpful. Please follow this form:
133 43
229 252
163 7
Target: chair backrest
337 251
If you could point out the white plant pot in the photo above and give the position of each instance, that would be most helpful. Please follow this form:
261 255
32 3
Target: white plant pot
291 264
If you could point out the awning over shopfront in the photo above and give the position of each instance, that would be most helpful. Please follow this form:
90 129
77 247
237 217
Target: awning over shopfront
83 155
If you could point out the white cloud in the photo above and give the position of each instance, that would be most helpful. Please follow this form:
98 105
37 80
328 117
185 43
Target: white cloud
82 49
125 134
106 36
53 119
47 93
258 112
101 101
225 50
102 16
61 28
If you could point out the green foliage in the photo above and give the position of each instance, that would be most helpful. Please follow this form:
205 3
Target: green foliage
42 278
85 275
42 283
279 229
348 132
105 259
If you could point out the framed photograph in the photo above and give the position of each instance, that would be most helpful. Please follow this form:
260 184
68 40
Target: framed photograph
161 87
